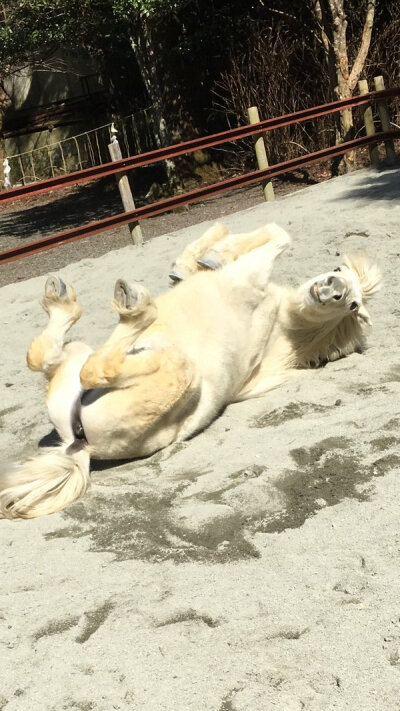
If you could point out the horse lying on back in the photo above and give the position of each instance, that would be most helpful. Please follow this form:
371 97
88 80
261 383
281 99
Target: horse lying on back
172 364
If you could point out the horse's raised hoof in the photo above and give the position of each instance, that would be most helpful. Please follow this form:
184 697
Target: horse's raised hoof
211 260
58 293
176 275
130 297
133 300
55 288
125 296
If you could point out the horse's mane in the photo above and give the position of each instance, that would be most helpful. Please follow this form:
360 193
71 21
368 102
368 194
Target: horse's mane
367 271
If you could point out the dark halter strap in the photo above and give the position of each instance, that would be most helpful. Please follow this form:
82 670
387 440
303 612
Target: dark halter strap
80 440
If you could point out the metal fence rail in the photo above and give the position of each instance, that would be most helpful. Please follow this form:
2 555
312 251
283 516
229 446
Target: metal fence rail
200 193
204 142
194 196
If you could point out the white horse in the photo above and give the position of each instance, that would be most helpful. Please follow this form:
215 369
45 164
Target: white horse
171 365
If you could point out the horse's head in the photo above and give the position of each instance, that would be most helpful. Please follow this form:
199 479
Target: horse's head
343 291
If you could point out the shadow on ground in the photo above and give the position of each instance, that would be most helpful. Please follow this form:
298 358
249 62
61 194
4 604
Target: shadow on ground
377 185
81 205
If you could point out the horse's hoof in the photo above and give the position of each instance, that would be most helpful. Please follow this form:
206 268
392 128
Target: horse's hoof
125 296
211 260
55 288
58 294
176 276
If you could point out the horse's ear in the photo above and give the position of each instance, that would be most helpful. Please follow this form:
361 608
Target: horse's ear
367 270
363 316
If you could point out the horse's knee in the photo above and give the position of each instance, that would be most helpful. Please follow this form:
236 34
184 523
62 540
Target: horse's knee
98 370
36 352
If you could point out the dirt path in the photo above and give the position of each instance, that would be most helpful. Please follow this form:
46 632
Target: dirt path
46 215
253 567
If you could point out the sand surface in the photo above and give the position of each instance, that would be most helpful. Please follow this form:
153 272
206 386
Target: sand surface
254 567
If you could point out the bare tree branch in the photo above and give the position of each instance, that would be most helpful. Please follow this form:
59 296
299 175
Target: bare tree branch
361 57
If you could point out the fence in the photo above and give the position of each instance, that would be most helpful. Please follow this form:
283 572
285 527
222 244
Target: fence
136 134
171 152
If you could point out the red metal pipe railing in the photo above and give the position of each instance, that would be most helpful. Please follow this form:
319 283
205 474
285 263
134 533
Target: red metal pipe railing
209 191
170 152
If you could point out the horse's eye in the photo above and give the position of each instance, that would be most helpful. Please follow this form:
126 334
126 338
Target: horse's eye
337 269
353 306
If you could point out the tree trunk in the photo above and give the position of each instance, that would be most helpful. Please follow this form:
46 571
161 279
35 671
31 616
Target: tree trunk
332 23
146 57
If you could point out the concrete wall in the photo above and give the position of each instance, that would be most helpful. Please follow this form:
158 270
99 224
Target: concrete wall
76 76
73 75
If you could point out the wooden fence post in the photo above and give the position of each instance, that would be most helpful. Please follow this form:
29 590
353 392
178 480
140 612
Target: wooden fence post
369 125
261 154
125 192
383 112
7 170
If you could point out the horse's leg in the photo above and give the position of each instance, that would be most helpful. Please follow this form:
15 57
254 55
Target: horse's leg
206 411
229 249
60 363
170 370
216 248
46 351
54 478
64 389
264 380
117 363
136 310
254 268
116 368
187 262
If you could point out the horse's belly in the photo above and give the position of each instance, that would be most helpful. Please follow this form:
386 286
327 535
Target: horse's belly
117 428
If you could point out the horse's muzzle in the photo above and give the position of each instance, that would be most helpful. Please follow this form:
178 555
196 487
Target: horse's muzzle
331 288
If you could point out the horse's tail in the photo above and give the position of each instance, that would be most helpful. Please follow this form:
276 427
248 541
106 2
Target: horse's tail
44 484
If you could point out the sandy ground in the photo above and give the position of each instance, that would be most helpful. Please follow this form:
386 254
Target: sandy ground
255 567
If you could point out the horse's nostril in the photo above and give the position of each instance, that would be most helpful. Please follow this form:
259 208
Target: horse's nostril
337 297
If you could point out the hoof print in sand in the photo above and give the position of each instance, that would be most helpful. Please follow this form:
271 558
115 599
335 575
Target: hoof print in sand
92 620
206 524
86 625
391 643
186 616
